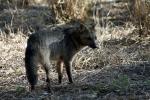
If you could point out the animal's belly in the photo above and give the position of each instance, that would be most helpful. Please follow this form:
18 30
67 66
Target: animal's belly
55 53
54 57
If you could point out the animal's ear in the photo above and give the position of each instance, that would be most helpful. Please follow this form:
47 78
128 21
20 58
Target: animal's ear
92 26
76 27
91 23
81 28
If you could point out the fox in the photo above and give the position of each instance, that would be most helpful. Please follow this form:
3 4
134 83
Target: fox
40 50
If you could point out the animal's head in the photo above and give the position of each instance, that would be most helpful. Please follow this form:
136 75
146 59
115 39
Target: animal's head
85 36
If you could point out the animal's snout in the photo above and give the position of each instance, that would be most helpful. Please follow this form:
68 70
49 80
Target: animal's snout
93 45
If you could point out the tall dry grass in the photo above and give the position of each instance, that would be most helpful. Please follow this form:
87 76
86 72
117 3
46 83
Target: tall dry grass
141 15
139 10
72 9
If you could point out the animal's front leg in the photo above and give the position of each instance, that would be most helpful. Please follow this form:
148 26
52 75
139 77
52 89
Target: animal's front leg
59 70
69 71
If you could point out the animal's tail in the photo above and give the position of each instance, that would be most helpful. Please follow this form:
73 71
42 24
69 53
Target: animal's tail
31 66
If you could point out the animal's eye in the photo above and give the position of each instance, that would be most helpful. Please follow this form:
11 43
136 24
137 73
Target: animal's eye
95 38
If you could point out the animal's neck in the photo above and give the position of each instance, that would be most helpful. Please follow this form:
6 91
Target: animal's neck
73 44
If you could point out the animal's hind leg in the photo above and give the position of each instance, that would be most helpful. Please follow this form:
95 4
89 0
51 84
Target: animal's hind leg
46 65
59 70
47 70
69 71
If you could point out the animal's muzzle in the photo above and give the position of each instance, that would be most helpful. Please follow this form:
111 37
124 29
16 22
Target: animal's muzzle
93 45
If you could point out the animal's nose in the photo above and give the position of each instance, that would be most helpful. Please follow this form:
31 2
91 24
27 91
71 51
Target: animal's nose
93 45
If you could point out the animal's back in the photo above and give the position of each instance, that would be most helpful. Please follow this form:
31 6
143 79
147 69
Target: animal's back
46 37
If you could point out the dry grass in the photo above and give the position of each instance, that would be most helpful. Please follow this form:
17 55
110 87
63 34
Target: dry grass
119 69
72 9
12 50
121 47
116 43
141 15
